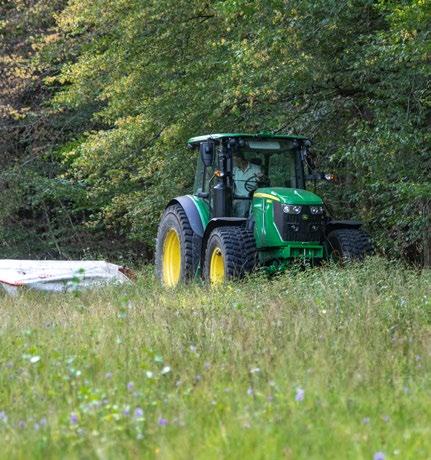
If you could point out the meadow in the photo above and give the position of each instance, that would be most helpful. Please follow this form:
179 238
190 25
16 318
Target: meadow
328 362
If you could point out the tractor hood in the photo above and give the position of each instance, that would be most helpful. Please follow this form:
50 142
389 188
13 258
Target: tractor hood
288 195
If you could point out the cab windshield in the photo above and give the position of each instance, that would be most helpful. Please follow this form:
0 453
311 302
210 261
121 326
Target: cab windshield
269 163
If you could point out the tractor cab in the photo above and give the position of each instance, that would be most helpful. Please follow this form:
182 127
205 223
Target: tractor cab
249 207
230 168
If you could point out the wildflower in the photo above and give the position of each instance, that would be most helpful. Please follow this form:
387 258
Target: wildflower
149 374
126 411
43 421
21 424
163 421
3 416
254 370
386 418
34 359
108 375
250 391
299 396
36 426
130 386
366 420
166 370
379 456
193 348
139 412
73 418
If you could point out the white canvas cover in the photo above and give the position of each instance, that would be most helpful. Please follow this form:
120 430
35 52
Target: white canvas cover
58 275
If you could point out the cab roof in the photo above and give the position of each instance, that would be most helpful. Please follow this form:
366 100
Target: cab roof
198 139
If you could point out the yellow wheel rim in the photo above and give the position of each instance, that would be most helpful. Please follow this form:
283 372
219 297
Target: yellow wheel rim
217 274
171 258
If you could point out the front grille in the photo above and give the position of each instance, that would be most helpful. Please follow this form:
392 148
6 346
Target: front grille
305 227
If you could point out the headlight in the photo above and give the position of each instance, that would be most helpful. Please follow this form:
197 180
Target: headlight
292 209
315 210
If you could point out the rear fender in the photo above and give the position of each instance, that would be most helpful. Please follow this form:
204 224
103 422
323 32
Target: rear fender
192 213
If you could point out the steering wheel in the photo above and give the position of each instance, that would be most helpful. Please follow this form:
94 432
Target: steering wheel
256 181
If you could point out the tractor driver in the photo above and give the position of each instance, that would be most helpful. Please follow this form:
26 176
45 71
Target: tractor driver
246 177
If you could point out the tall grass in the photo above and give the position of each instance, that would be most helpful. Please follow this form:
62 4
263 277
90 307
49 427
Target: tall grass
322 363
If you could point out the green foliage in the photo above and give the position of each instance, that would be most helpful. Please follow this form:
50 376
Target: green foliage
133 80
141 371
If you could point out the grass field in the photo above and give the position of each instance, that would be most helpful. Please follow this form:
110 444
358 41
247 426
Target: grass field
324 363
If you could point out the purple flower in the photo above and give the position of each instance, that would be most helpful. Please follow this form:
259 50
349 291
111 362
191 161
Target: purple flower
366 420
126 411
130 386
43 421
163 421
386 418
139 412
3 416
73 418
21 424
300 393
36 426
379 456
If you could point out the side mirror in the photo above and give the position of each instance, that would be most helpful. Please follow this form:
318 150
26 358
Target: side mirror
206 150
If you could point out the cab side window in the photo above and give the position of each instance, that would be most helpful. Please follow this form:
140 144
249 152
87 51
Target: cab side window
203 177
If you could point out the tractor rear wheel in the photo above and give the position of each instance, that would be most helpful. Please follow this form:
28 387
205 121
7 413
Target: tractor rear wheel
176 256
348 244
230 254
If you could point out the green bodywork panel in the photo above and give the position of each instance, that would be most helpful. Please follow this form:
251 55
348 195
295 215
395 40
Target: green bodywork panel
268 239
269 243
198 139
203 209
290 195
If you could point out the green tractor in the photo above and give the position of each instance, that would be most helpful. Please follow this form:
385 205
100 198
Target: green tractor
250 207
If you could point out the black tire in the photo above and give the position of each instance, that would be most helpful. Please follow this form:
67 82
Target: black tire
238 249
348 244
174 218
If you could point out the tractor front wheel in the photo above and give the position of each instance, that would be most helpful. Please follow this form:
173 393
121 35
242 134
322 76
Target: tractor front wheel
176 258
230 254
348 244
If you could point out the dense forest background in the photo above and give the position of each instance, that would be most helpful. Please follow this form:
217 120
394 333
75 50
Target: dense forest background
98 99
